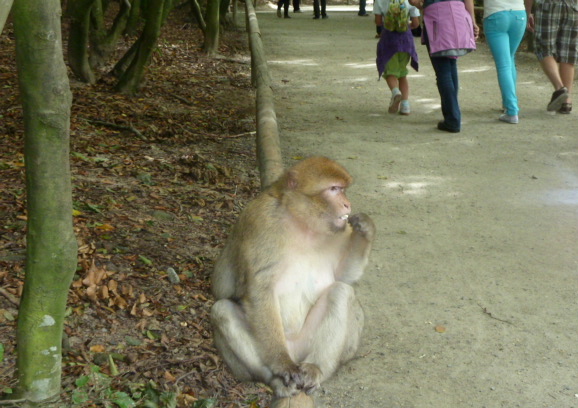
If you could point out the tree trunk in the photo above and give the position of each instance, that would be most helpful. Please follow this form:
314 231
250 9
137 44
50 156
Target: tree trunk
197 14
103 41
78 39
133 18
211 45
131 78
5 6
51 245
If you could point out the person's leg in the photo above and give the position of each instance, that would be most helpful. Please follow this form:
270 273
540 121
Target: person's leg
567 75
548 17
404 88
404 108
447 82
323 8
316 10
391 74
286 8
517 31
550 68
362 4
503 41
296 6
392 82
568 48
402 71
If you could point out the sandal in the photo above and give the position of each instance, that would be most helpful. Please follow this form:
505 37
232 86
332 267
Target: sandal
565 108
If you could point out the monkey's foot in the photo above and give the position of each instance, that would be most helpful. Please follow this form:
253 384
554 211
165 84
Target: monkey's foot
300 400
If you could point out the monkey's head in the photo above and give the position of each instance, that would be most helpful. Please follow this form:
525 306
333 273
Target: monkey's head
314 192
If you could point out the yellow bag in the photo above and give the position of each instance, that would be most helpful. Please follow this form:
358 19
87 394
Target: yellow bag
397 17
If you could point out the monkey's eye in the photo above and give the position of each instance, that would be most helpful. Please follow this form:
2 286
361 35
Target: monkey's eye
336 189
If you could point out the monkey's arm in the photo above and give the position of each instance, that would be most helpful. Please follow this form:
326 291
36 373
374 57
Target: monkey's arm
263 313
356 255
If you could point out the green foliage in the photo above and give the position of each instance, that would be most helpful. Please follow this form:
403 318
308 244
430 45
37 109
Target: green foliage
97 389
206 403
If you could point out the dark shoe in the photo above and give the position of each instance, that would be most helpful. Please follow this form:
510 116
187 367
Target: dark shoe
287 16
324 16
363 14
279 14
297 11
316 17
442 126
566 108
558 98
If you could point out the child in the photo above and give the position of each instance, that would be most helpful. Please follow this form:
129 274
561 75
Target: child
396 48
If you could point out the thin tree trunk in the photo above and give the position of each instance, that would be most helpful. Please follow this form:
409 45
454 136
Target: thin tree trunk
51 245
132 77
211 44
103 42
197 14
78 39
133 18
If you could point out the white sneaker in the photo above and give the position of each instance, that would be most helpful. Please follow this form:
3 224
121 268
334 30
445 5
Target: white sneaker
404 108
395 101
513 119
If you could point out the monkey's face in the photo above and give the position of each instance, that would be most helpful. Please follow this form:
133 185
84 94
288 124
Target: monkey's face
338 206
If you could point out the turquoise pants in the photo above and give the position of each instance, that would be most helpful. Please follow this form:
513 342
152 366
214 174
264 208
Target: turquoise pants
504 31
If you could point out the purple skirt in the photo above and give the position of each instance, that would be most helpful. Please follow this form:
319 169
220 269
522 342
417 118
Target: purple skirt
392 42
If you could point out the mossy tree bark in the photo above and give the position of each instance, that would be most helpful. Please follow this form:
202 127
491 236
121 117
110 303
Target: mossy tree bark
78 39
211 44
155 15
89 41
51 248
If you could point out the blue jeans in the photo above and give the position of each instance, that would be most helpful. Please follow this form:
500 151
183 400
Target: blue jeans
446 70
504 32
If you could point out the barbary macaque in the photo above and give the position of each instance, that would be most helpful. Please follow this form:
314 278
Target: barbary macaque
285 312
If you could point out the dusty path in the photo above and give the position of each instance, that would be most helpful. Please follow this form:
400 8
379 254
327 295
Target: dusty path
477 231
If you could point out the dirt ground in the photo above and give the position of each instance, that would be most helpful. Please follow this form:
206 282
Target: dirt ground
471 292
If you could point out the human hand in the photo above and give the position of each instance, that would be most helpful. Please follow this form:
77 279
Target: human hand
531 22
476 31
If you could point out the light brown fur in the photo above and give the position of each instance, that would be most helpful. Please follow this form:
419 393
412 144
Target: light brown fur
285 311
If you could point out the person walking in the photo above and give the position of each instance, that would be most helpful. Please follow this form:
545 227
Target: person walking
504 26
396 48
362 12
283 4
555 27
319 12
454 37
297 6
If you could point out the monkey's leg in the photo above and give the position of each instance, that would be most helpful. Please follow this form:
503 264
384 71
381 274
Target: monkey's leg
331 333
237 347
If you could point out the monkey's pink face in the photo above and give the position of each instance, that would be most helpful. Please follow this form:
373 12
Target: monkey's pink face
339 206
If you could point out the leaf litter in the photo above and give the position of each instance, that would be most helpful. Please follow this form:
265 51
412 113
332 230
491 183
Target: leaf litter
157 181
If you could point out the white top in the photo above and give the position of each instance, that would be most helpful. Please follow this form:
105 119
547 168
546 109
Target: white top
493 6
381 7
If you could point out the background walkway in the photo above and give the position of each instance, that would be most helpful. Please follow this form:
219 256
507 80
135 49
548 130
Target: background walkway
471 294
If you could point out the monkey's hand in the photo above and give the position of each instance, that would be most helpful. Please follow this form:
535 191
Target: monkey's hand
363 225
309 378
304 377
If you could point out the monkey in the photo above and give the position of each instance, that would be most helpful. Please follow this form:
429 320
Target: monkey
285 311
